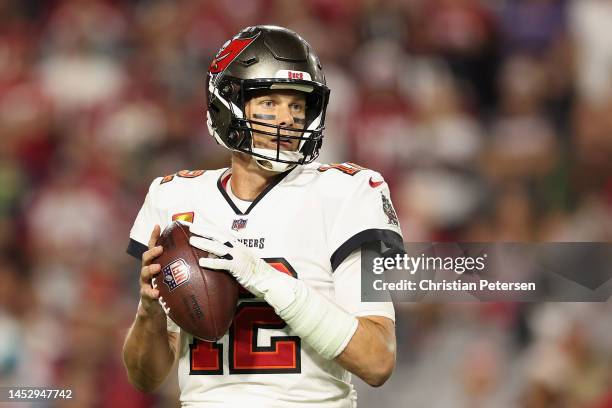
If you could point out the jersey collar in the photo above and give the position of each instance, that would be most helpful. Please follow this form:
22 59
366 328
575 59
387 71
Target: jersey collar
224 179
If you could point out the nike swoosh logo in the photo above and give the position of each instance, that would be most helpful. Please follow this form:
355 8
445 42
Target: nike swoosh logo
375 184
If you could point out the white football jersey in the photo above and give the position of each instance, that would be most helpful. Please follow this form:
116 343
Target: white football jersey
310 224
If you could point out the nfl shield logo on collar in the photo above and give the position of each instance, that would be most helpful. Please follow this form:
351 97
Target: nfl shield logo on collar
239 224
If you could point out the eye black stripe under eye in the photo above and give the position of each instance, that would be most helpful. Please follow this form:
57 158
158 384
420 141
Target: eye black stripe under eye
299 121
264 116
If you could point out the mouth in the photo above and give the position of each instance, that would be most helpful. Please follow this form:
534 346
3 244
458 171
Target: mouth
284 143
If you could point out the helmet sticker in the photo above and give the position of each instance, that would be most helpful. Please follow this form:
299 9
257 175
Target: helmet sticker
228 53
288 74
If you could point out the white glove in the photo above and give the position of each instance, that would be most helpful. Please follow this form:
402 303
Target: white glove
321 323
254 274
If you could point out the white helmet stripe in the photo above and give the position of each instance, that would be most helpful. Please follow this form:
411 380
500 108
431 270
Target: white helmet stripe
313 126
228 104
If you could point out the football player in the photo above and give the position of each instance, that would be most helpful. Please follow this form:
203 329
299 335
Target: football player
287 228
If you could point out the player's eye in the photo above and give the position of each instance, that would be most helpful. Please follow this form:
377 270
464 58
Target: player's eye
267 103
297 107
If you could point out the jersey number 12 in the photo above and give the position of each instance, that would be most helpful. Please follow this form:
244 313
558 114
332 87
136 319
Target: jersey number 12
245 356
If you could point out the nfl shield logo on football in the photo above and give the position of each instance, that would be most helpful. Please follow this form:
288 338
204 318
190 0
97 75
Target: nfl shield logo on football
239 224
176 273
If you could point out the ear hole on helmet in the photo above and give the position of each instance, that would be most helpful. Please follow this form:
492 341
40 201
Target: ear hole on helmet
232 137
226 90
249 62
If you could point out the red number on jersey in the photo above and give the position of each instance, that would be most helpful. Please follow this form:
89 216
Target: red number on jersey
183 174
282 356
190 173
347 168
206 358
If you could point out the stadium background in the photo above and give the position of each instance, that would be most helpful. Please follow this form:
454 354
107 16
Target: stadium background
491 120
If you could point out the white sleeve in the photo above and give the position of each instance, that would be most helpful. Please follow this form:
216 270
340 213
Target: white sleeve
365 215
347 287
171 326
148 216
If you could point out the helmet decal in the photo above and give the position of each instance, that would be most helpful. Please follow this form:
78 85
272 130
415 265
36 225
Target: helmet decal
228 53
285 73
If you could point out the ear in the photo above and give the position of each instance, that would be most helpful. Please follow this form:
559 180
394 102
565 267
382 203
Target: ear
247 108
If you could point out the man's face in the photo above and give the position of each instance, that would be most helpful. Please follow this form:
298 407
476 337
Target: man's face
286 108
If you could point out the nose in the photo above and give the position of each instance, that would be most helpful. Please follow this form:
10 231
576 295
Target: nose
284 116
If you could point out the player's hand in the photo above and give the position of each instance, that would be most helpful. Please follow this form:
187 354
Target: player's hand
249 270
148 295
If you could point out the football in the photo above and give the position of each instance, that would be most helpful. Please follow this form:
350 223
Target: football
200 301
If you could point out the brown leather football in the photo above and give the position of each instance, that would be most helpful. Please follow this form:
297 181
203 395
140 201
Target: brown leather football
201 301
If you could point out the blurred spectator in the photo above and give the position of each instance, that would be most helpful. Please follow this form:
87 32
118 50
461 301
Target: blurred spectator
465 34
523 143
532 26
382 119
590 28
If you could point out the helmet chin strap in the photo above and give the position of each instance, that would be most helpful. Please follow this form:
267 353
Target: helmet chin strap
273 165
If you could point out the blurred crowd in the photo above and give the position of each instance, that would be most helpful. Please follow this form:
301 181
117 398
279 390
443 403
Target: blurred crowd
490 119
